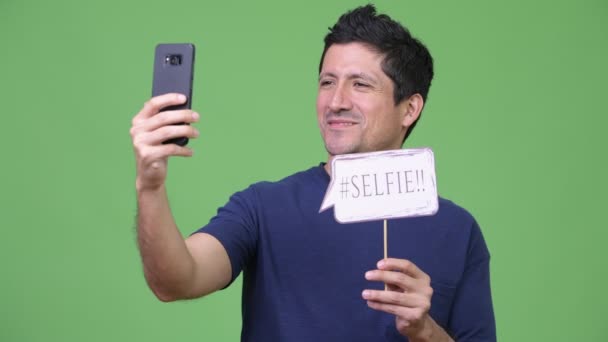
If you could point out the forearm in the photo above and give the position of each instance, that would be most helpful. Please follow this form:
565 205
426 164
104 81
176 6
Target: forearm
168 265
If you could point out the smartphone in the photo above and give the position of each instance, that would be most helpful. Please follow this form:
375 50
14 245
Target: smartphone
173 73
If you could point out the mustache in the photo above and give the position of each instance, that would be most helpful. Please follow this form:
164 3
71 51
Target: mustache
342 115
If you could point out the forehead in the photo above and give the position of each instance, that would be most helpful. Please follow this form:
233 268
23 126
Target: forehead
352 58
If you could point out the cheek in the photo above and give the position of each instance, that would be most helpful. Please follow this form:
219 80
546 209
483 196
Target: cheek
320 107
377 120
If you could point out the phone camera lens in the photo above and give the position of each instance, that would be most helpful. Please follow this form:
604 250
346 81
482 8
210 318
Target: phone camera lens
173 59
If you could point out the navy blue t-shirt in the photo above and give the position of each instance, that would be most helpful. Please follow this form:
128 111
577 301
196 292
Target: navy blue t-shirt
303 272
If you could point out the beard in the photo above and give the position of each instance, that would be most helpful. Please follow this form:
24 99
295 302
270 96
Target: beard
341 143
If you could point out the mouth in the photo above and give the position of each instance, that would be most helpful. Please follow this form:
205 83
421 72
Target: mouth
338 124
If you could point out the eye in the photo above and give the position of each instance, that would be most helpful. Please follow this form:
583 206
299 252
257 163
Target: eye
324 83
361 85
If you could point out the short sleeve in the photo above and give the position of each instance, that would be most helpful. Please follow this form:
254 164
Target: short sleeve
472 315
236 227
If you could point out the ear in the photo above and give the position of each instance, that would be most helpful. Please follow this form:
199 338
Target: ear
411 108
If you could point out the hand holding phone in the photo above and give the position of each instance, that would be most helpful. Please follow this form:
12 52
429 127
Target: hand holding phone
173 73
148 131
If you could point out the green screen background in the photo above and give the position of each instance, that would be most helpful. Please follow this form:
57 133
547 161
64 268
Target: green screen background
516 117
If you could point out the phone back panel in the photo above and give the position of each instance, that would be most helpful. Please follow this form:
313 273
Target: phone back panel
173 71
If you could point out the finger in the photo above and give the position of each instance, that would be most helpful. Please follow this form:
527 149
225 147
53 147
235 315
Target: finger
402 265
405 313
165 133
155 153
405 299
155 104
168 118
394 278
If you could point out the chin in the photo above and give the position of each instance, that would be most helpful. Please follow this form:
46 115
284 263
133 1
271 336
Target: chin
335 150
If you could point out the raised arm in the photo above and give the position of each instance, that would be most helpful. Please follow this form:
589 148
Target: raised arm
174 268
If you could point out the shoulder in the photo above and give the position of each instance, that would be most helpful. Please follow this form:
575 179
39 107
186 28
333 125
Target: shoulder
457 223
304 184
305 178
466 225
450 210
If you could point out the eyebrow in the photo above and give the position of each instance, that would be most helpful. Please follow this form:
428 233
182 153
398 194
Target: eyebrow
351 76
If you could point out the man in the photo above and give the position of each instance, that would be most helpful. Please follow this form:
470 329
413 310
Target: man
307 277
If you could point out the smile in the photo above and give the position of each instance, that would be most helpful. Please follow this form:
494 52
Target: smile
340 124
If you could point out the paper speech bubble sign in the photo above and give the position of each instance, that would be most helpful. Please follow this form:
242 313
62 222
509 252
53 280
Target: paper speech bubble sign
382 185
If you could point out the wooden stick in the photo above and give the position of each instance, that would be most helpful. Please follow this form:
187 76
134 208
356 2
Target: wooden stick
385 241
385 248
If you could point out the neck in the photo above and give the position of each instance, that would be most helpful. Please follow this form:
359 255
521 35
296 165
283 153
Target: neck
331 157
328 164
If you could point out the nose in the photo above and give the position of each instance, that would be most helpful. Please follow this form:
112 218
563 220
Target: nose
340 100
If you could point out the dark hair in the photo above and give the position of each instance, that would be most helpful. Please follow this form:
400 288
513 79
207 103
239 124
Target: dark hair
406 60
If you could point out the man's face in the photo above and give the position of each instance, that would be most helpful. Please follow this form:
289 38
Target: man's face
355 106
